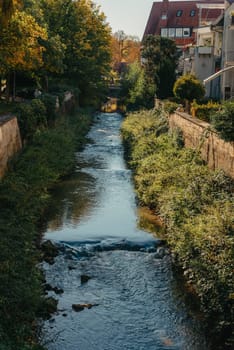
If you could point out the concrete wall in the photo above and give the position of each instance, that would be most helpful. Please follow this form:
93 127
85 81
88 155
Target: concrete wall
10 140
217 153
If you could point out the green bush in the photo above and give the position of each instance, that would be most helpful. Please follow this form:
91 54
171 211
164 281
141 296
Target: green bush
144 123
188 87
205 111
223 121
197 207
31 118
24 196
49 102
169 106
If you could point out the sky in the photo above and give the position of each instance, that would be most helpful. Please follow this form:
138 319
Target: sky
130 16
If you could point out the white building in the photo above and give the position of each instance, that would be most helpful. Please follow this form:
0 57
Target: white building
227 78
208 55
214 54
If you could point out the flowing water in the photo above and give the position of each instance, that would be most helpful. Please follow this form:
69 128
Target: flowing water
129 282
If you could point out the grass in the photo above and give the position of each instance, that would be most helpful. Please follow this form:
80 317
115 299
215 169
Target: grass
24 195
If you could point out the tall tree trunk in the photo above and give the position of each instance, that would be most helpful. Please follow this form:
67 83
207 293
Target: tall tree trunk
8 86
7 9
13 86
46 83
0 88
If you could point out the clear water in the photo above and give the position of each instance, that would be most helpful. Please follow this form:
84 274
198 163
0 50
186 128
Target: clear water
94 222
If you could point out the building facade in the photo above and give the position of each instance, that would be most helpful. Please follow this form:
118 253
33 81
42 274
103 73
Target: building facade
204 34
178 19
227 78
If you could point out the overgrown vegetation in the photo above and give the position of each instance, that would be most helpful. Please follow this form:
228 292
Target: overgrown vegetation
197 207
24 194
204 111
219 115
136 92
155 75
223 121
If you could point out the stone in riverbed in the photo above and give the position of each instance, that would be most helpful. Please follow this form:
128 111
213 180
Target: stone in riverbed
57 290
84 278
77 307
49 251
81 307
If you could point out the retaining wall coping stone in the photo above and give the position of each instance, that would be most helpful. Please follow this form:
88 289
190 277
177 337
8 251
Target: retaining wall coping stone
5 118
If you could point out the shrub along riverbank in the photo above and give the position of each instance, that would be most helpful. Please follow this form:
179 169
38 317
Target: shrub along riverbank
23 198
197 208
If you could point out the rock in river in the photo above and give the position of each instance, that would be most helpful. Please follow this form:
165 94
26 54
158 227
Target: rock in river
81 307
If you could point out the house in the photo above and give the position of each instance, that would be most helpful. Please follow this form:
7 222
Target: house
207 53
227 78
204 34
214 55
177 19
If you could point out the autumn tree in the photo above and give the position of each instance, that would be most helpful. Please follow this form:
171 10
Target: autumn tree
68 40
7 8
82 29
20 47
124 49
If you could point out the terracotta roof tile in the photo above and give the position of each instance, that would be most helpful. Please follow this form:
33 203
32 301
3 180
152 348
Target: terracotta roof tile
155 21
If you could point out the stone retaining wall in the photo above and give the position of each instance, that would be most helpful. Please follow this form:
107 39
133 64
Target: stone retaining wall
197 134
10 140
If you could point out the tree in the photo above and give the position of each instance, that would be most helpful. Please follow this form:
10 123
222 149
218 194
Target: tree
67 40
136 92
7 8
83 31
160 60
125 49
20 49
188 88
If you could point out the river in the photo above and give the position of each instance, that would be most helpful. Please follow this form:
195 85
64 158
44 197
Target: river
136 302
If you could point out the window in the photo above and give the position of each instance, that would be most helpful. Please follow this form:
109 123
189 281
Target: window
179 13
227 92
171 33
186 32
164 32
164 16
179 33
192 13
207 41
232 20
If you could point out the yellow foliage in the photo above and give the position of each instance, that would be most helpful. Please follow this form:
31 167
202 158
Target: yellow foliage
20 47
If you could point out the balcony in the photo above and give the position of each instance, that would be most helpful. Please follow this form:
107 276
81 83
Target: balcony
205 50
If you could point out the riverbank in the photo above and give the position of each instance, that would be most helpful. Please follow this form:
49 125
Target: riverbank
196 206
24 196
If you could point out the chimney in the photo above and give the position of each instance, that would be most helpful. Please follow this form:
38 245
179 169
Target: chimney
164 11
165 6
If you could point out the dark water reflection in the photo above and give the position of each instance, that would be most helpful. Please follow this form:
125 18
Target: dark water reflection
94 221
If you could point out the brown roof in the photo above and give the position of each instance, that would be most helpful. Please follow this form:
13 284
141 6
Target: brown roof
155 22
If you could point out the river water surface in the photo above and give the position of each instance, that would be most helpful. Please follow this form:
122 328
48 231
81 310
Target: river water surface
93 219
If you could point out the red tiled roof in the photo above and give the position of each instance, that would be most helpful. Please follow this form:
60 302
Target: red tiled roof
155 22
